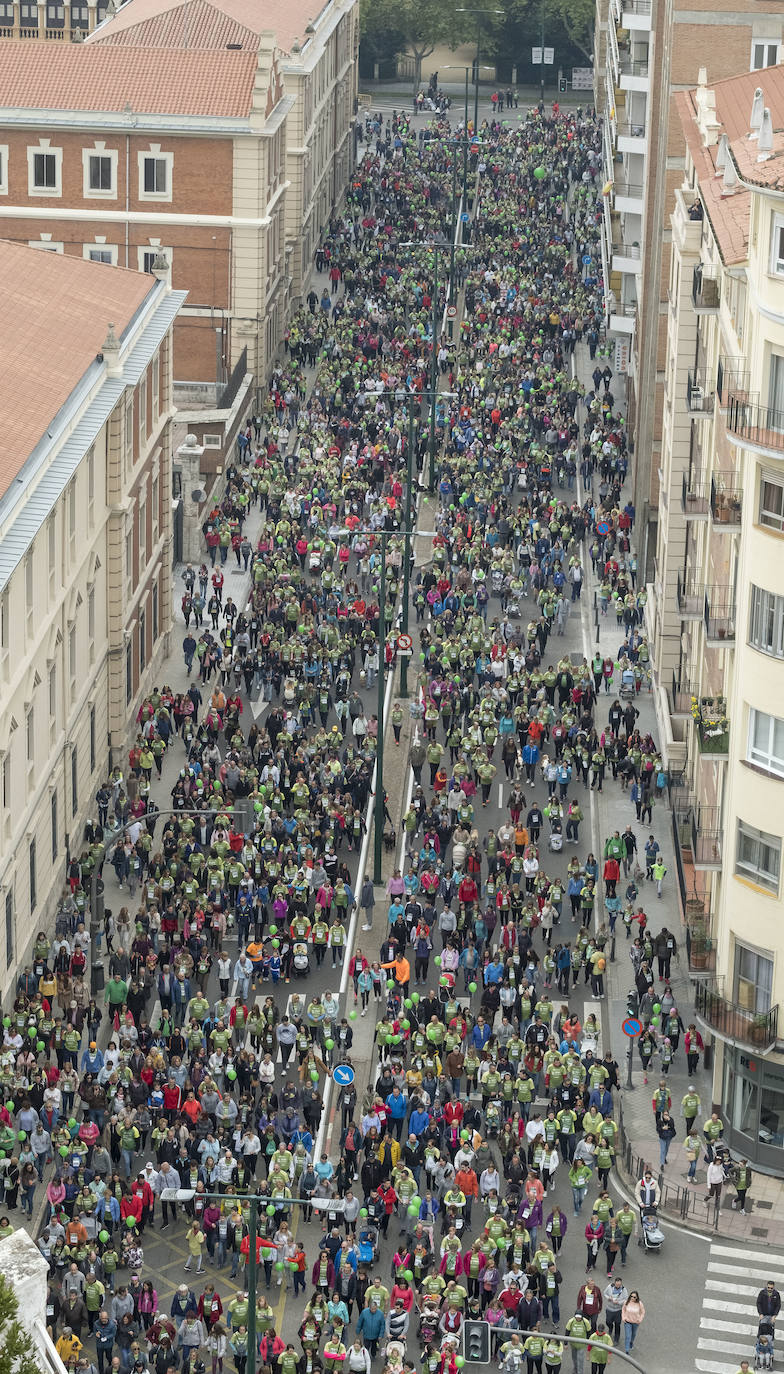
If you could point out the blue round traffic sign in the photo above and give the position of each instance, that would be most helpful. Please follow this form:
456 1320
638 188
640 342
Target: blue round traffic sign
343 1075
602 527
631 1026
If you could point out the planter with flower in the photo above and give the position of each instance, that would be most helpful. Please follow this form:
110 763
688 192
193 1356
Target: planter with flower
713 727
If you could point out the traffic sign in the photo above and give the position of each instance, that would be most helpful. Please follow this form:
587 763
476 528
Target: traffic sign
631 1026
343 1075
404 645
451 311
602 527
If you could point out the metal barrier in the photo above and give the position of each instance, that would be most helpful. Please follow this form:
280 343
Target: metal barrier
676 1201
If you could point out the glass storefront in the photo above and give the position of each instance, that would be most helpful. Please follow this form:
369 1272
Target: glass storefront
753 1108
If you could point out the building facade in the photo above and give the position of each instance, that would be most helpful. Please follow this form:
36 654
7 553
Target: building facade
716 608
184 126
646 52
85 553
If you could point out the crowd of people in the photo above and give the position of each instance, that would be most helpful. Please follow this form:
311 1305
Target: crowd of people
437 1204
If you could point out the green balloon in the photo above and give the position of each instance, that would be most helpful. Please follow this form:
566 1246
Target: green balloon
408 1003
63 1150
352 1016
11 1106
273 930
231 1074
437 960
472 987
459 1361
72 1124
6 1021
412 1210
279 1265
130 1222
32 1033
276 944
407 1275
405 1025
657 1007
40 1046
415 997
390 983
329 1044
363 1211
21 1135
396 1038
540 173
655 1020
464 1135
314 1075
103 1236
2 1154
270 1211
444 981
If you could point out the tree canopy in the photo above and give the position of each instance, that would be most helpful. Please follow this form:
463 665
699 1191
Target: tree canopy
17 1349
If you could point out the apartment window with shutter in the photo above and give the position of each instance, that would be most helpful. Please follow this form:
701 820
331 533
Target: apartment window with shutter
764 54
758 856
74 780
30 735
31 860
766 741
128 673
92 740
55 835
766 622
9 929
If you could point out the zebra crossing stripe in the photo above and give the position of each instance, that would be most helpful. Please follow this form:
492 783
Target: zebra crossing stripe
729 1321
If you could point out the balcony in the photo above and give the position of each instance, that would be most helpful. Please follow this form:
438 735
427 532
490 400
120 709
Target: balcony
732 1021
699 394
756 424
690 599
705 292
714 742
679 695
697 831
726 502
631 137
732 379
700 946
628 196
633 72
626 257
713 727
695 496
636 15
719 616
623 317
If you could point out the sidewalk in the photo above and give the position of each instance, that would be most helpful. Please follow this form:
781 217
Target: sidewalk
614 811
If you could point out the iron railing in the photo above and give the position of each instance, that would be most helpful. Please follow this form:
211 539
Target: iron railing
732 378
756 423
228 393
632 66
680 694
726 500
697 831
705 291
630 129
731 1020
699 394
634 190
695 495
719 614
674 1200
690 599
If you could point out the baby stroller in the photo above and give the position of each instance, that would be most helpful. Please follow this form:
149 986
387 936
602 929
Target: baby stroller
556 841
763 1349
651 1234
628 690
367 1246
300 960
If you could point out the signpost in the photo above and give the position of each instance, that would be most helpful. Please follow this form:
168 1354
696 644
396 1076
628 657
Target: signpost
631 1027
404 646
343 1075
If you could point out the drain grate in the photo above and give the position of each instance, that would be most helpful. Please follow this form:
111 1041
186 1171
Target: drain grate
763 1206
760 1231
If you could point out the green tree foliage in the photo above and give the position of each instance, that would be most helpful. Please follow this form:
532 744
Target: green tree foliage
578 18
17 1350
416 27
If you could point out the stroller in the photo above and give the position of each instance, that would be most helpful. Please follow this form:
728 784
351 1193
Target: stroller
651 1234
367 1245
763 1349
556 841
300 960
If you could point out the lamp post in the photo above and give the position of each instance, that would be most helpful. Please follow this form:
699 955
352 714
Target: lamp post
478 12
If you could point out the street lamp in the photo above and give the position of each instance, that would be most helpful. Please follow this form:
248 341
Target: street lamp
479 12
438 243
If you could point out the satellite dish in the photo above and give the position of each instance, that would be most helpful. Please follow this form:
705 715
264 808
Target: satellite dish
198 495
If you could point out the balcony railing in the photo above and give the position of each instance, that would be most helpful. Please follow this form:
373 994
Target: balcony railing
626 250
755 423
699 394
690 599
636 6
630 130
704 291
732 378
700 946
680 694
631 66
695 496
633 190
713 740
719 615
697 830
726 501
731 1020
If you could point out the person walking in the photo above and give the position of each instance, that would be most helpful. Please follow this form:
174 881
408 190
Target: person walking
633 1314
615 1295
741 1177
715 1180
666 1132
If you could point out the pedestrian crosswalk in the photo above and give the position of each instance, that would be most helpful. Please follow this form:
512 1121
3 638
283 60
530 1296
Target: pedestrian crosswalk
729 1321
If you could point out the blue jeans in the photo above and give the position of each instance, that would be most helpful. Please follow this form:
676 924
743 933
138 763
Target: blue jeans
128 1162
578 1196
551 1302
630 1332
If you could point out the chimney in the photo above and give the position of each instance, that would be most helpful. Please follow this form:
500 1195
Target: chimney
757 106
111 353
721 154
765 143
730 182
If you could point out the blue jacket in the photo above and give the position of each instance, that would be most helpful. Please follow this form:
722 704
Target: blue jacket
480 1035
418 1121
398 1106
371 1324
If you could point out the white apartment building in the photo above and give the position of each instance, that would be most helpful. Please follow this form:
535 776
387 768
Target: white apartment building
85 553
716 606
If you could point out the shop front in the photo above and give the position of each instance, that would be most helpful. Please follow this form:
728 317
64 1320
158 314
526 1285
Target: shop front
753 1108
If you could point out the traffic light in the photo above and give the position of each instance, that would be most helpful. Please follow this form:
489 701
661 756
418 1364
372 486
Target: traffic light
476 1342
632 1004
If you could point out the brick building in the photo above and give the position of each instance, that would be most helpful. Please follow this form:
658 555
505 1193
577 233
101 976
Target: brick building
183 128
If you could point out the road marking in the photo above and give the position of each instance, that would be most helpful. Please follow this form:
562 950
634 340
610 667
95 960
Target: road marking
735 1328
500 796
740 1271
740 1252
728 1324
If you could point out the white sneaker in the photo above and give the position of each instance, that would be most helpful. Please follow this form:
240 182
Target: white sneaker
363 1011
367 927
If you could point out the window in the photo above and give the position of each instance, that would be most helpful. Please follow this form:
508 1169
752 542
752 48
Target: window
766 622
91 486
753 979
129 427
142 412
777 246
33 882
9 929
156 369
128 673
5 782
100 174
775 420
55 837
147 257
74 780
92 739
44 170
51 536
155 613
155 503
29 586
766 741
30 735
52 702
142 641
142 540
771 507
101 252
764 54
129 553
155 174
3 169
45 244
72 510
72 658
91 621
758 856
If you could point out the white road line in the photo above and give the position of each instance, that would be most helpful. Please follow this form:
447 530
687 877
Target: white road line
742 1271
714 1367
723 1305
740 1253
740 1290
500 796
734 1328
726 1348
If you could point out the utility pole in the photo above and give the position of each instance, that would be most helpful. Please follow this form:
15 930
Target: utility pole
407 549
433 376
378 814
541 69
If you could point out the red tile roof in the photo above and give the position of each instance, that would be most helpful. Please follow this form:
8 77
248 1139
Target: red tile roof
286 19
107 79
55 308
198 24
728 215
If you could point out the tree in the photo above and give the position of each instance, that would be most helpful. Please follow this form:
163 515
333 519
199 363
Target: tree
578 18
420 25
17 1349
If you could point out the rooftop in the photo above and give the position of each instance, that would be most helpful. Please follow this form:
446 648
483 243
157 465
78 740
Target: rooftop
734 99
56 310
100 78
208 24
728 215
